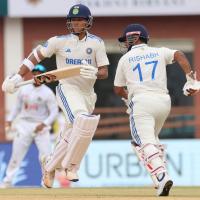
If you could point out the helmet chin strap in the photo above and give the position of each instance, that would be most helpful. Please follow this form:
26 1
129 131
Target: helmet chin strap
129 48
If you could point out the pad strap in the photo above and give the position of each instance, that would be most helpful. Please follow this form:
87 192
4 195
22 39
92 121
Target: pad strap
149 156
83 131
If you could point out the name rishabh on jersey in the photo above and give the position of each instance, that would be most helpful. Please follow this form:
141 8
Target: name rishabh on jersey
143 68
69 50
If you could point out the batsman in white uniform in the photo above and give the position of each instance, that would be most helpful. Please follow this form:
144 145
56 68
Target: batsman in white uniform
35 110
75 95
142 82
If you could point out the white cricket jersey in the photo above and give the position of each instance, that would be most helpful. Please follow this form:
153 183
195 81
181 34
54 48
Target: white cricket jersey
37 104
143 69
69 50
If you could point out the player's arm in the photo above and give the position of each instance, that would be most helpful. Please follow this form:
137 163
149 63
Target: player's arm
16 109
120 81
91 72
10 83
180 57
121 91
53 112
28 64
37 55
102 72
189 88
52 108
102 61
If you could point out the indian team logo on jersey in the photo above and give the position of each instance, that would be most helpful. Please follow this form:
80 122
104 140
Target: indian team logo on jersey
75 11
89 50
67 50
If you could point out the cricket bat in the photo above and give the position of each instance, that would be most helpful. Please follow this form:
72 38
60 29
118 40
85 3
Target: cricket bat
53 75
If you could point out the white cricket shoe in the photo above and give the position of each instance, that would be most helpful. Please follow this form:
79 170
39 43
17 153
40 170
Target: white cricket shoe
47 177
5 184
71 176
164 186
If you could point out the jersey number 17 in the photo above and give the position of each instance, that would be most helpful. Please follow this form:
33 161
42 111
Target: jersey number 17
152 64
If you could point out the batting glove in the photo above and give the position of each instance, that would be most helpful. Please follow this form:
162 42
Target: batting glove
192 86
88 72
10 83
126 101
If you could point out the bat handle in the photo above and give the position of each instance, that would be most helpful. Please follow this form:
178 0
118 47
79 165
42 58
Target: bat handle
31 81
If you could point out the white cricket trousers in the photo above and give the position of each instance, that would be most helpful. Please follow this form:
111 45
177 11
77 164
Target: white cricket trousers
74 101
24 136
148 114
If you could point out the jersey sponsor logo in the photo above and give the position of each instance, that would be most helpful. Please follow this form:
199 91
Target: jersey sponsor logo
89 50
68 50
143 57
30 106
72 61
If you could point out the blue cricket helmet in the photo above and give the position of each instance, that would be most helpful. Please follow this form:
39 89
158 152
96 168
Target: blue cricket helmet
79 11
39 68
135 29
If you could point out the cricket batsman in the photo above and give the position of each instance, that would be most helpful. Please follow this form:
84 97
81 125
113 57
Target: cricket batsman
75 95
143 71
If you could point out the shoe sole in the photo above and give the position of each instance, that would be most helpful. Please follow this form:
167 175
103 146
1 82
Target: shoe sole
45 186
166 188
74 180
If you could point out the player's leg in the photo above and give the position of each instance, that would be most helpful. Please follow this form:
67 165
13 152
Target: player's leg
83 131
166 184
43 143
79 103
20 147
53 161
70 105
142 124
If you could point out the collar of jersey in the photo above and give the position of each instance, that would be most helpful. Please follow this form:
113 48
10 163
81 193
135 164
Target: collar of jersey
83 40
138 46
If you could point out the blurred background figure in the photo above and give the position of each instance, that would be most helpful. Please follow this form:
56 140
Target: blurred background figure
35 110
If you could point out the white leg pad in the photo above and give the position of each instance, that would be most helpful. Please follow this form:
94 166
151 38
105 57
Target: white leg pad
149 155
162 152
83 131
55 159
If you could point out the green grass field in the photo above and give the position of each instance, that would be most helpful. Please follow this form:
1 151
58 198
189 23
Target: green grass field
134 193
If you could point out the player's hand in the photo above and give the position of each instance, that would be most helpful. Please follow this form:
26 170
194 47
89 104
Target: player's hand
192 86
128 111
10 83
88 72
39 127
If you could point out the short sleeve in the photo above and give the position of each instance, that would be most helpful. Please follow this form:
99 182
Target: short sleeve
169 55
120 79
49 47
101 56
